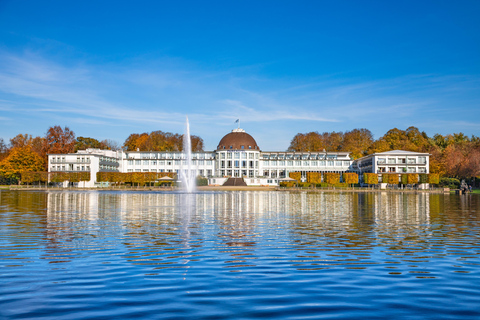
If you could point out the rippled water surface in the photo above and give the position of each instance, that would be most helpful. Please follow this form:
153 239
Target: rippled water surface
238 255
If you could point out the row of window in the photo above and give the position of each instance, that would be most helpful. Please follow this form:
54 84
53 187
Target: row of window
299 156
297 163
400 170
421 160
168 163
199 172
239 173
238 155
168 156
67 168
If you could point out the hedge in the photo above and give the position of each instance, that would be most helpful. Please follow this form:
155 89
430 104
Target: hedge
314 177
331 178
295 175
350 178
370 178
390 178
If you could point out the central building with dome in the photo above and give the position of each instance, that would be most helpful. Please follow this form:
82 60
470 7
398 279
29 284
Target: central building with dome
237 156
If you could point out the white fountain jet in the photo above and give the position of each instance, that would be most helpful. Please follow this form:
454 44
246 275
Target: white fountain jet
187 173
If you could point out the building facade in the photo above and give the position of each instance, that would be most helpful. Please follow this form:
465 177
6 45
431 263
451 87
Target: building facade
396 161
237 155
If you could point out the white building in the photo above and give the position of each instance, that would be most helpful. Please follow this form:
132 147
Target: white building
396 161
237 156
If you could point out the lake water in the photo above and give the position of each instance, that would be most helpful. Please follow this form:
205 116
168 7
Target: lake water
238 255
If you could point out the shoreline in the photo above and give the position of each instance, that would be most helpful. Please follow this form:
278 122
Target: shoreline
229 188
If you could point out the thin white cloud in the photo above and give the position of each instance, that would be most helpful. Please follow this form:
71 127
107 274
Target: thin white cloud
151 97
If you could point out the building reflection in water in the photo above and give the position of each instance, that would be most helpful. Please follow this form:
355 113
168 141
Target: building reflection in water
172 230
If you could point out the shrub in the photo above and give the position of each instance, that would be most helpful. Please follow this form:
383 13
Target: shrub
350 178
304 184
314 177
201 181
370 178
288 184
331 178
423 178
295 175
451 183
390 178
434 178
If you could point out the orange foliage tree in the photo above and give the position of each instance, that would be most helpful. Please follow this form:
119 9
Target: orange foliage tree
20 159
295 175
314 177
350 178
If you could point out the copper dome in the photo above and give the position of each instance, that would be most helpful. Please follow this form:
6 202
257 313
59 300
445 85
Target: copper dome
238 139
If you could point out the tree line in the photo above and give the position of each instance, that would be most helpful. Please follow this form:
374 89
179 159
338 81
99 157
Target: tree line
26 153
454 155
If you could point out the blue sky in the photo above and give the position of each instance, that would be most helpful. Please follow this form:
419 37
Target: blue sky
110 68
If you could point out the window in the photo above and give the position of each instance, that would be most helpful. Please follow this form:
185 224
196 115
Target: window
201 162
314 163
330 163
229 155
298 163
346 163
391 169
381 160
322 163
237 155
244 155
306 163
209 162
290 163
130 170
237 163
273 163
338 163
242 147
411 160
138 162
281 163
391 160
154 162
422 160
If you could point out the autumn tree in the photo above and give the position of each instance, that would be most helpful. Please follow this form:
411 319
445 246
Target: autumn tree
83 143
58 140
160 141
357 141
20 159
21 140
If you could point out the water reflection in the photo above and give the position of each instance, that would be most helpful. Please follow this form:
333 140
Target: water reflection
274 254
